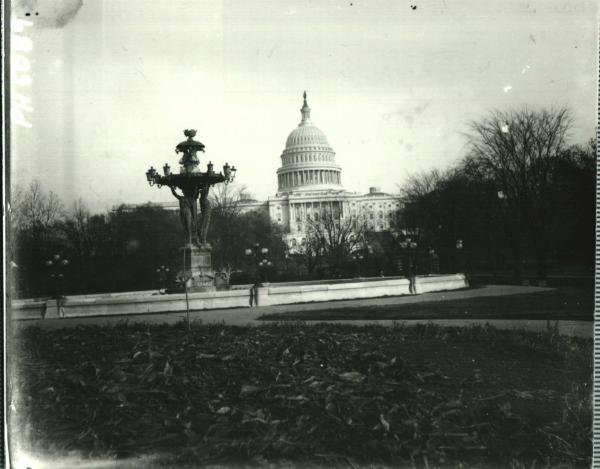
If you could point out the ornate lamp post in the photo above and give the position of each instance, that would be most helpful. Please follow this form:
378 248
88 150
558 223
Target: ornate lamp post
293 255
264 266
459 255
433 262
162 273
57 268
357 259
410 248
193 184
261 264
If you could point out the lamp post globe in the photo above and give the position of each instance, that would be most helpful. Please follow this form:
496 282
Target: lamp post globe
460 256
258 254
57 267
162 273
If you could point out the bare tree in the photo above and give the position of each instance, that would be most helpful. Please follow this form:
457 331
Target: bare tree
78 230
419 185
234 230
226 198
419 197
35 208
333 238
226 271
519 150
35 232
309 250
225 202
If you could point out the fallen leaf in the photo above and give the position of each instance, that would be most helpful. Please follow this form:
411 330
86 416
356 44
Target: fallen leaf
384 422
249 389
352 376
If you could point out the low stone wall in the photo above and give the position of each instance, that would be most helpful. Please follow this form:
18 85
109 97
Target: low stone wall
271 294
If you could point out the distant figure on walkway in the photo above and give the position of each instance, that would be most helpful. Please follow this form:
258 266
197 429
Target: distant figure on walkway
254 295
411 274
60 305
412 279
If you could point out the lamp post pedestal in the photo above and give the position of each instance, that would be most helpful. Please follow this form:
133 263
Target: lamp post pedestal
195 272
197 268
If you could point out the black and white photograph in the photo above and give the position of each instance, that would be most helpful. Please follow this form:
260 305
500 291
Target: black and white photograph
300 233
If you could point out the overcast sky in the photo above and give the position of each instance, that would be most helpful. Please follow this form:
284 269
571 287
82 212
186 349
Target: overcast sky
114 83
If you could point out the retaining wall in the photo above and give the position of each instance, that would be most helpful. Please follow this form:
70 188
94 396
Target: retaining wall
270 294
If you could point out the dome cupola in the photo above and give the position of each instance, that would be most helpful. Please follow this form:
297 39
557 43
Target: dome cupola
308 162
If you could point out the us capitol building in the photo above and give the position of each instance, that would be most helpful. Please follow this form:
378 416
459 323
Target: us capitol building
309 184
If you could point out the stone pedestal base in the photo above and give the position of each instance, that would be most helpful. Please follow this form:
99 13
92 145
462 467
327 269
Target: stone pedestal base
196 267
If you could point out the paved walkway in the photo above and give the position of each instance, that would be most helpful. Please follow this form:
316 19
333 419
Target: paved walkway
248 316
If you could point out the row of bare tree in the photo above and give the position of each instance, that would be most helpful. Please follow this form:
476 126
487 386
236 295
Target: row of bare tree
522 198
329 249
121 250
113 251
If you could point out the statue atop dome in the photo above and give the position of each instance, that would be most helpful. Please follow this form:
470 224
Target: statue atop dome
305 112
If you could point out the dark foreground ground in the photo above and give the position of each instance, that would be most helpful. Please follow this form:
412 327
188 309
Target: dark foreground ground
564 303
297 395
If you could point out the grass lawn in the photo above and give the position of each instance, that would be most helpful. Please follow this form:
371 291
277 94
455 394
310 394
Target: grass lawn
292 394
568 303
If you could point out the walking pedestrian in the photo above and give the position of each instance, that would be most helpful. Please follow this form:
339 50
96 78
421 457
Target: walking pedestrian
256 285
412 279
60 306
254 295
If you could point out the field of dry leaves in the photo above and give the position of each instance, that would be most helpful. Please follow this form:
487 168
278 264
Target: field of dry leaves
327 395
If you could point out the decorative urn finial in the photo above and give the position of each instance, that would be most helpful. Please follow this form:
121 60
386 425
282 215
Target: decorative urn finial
189 161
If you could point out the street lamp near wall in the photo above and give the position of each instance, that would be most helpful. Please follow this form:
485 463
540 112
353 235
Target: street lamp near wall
162 273
357 259
433 261
510 220
408 244
264 265
294 256
57 268
410 248
260 260
459 255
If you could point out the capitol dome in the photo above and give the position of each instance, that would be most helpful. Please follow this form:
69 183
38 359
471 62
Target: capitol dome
308 162
306 134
